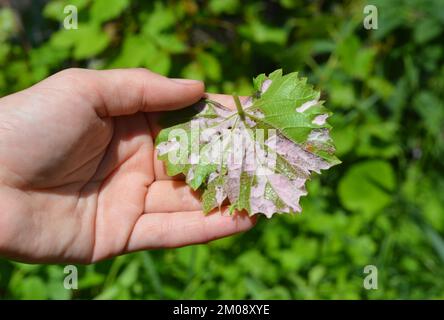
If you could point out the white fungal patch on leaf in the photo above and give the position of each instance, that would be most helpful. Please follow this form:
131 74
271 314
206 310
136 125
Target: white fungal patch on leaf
190 175
258 201
289 191
321 119
221 195
167 146
265 85
307 105
260 159
319 135
248 103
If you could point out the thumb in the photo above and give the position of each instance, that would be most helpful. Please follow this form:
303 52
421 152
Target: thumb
127 91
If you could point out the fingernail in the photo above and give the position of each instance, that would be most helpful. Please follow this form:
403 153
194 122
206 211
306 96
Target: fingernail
186 81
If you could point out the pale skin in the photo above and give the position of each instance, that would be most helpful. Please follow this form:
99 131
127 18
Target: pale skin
79 177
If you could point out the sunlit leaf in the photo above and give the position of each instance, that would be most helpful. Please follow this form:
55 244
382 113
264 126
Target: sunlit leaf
260 156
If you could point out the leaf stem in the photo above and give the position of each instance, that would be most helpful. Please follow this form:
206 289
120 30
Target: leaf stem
240 110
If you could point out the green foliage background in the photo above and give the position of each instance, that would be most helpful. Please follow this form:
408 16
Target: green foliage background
383 206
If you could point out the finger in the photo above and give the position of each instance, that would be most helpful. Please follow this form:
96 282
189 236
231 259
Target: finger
131 136
224 99
120 198
127 91
159 230
154 119
155 127
171 196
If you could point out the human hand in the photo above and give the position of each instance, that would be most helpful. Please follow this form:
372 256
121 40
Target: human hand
79 178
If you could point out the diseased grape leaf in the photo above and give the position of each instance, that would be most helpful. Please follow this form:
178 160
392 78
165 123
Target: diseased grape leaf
258 156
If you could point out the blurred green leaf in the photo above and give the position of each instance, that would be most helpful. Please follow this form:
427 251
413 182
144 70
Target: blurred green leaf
129 274
381 86
8 23
32 288
193 71
342 95
158 61
426 30
134 52
87 41
224 6
160 19
431 110
344 139
210 65
355 59
366 186
437 242
104 10
378 139
262 33
55 9
171 43
90 40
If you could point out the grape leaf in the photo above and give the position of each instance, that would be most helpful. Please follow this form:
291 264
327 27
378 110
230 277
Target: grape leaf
258 156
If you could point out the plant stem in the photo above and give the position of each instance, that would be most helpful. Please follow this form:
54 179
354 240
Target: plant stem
240 110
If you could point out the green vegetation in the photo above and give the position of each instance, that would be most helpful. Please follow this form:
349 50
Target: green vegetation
384 205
